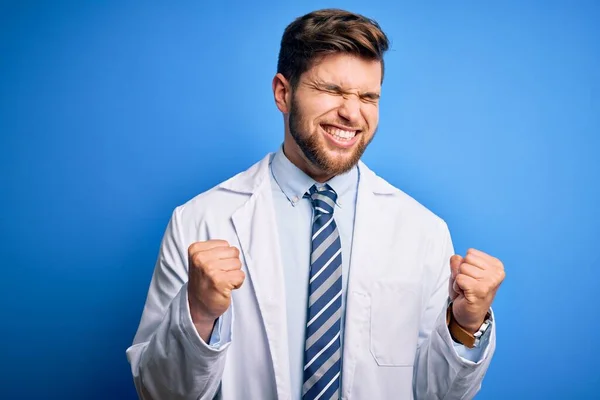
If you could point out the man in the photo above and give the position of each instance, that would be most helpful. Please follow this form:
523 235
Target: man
308 276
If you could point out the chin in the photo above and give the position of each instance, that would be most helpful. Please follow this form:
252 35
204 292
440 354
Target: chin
336 164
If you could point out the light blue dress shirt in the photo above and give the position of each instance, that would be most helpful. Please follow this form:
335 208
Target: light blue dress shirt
294 223
294 215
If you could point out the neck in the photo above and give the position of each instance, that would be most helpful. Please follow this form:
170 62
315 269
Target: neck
293 153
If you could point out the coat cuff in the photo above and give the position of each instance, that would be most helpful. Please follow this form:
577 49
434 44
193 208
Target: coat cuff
461 356
190 331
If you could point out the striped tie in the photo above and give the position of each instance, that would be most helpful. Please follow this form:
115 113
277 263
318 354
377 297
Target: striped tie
322 348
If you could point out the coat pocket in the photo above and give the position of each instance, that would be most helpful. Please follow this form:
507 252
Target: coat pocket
395 314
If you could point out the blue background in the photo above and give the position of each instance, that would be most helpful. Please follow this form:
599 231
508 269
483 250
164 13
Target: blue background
112 114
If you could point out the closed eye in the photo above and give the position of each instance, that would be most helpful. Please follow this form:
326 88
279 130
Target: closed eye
370 97
334 89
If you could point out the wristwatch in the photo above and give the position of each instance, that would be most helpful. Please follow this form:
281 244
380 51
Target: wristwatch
462 336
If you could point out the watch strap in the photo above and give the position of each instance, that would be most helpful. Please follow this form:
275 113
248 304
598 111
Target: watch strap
461 335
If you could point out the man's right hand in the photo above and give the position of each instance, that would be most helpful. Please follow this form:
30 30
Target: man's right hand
214 271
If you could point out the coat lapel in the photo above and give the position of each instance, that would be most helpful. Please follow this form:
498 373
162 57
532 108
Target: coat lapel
256 228
366 251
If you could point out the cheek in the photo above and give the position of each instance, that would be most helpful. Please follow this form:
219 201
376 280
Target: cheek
318 111
371 115
322 105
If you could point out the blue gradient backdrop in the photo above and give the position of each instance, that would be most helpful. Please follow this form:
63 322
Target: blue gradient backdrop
112 114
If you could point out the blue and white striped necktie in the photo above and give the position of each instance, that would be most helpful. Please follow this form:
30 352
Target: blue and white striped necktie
322 350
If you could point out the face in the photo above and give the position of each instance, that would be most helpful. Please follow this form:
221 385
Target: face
332 115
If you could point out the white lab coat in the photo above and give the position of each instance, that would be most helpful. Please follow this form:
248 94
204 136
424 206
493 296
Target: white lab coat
396 343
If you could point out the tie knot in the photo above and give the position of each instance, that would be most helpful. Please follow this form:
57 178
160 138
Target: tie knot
323 198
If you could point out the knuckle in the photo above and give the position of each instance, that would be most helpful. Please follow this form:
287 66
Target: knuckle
213 277
469 258
208 275
239 275
465 269
502 275
232 252
198 260
192 248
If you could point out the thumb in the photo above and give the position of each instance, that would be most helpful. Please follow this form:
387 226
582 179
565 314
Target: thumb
455 262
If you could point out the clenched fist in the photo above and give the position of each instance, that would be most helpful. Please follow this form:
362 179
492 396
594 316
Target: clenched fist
214 272
473 284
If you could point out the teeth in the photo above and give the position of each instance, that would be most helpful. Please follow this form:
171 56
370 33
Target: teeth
340 133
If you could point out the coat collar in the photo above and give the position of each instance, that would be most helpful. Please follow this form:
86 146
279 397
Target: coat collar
251 180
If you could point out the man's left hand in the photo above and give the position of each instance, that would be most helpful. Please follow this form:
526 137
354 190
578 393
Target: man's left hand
474 281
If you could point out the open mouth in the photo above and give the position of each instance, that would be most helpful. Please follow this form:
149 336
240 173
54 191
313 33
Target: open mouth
341 137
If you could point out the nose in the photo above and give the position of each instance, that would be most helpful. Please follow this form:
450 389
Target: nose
349 110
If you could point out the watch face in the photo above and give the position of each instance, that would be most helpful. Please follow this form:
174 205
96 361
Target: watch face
482 330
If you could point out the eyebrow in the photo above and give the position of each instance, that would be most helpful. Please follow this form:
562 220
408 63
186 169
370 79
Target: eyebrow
332 87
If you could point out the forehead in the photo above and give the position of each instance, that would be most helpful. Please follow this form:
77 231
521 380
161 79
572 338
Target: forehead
347 71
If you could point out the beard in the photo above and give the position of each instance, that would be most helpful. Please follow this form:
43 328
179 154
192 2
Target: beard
316 152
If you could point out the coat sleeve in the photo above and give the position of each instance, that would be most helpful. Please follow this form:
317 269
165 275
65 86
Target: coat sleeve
168 358
440 373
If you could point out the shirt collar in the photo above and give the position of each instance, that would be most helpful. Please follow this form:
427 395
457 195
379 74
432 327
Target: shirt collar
294 183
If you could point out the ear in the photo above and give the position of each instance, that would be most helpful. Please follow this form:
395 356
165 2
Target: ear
282 93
